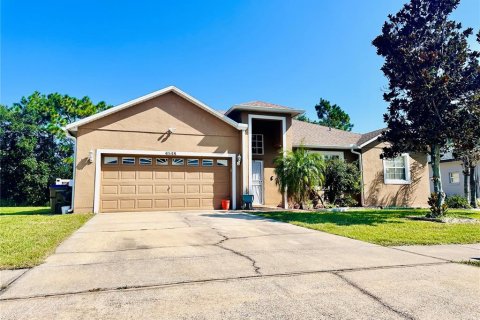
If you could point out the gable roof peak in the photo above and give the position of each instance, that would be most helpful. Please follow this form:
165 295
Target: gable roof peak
74 125
263 106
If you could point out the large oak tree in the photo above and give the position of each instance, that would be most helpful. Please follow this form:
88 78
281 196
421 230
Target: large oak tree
430 70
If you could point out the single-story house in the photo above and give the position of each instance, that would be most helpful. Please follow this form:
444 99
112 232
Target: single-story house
169 151
452 177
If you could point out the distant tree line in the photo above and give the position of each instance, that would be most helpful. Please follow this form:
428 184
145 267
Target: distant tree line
329 115
34 150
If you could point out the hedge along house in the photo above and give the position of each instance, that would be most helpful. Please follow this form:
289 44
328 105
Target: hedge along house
169 151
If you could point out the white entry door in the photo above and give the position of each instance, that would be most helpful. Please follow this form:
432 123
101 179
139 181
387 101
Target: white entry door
257 181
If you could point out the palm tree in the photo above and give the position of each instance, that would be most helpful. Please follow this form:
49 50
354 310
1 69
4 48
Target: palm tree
299 172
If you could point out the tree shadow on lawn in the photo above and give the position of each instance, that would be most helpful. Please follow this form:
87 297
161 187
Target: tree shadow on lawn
24 211
348 218
364 217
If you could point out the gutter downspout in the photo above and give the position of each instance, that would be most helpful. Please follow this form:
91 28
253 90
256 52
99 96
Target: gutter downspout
244 162
360 163
69 136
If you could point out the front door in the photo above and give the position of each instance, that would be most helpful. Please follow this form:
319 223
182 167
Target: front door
257 181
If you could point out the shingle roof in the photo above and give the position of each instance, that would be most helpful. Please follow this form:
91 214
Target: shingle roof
311 134
369 136
263 104
264 107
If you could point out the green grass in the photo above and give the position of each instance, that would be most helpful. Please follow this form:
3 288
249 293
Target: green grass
29 234
471 263
385 227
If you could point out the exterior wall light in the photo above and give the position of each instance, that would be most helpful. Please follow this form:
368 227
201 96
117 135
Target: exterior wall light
90 156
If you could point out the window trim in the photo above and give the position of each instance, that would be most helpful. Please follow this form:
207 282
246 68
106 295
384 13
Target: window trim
324 153
129 164
450 177
407 180
263 144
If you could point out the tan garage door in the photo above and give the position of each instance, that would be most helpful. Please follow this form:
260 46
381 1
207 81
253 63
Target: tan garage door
150 183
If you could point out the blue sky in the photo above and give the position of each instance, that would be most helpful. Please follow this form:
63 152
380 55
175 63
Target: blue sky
221 52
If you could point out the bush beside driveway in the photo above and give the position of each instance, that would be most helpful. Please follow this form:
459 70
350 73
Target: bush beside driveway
385 227
29 234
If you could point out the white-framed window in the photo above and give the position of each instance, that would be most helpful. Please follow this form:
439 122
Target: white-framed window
145 161
207 162
454 177
128 160
397 170
327 155
257 144
178 162
192 162
222 163
162 161
110 160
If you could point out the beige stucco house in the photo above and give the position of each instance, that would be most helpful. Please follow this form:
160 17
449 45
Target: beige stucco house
169 151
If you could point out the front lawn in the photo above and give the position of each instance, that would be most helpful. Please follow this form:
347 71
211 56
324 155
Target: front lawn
385 227
29 234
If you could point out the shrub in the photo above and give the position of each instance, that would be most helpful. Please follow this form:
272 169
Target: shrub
457 202
342 182
435 210
299 172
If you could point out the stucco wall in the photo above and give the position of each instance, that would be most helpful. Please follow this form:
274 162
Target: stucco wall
144 127
453 188
377 193
272 131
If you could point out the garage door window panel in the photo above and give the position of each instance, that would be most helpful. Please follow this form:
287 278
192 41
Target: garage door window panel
192 162
145 161
162 161
128 160
178 162
110 160
222 163
207 162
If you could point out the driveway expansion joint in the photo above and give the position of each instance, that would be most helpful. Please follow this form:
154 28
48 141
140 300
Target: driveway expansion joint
193 282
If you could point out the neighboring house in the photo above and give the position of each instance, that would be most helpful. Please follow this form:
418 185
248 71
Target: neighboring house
451 171
169 151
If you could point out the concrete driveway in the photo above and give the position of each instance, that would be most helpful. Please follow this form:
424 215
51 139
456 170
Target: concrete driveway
207 265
